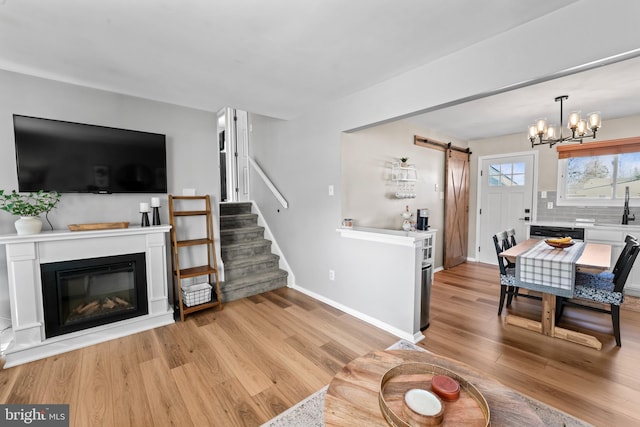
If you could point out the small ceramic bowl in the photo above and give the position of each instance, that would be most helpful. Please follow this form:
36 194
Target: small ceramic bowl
446 387
422 408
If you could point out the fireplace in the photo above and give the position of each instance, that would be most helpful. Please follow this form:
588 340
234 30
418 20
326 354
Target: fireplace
35 337
85 293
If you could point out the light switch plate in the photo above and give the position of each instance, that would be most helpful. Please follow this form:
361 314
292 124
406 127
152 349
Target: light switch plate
549 205
543 194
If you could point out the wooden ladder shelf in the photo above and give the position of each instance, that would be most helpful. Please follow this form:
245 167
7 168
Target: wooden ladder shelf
188 303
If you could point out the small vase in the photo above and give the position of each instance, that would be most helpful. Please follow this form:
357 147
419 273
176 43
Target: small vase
28 225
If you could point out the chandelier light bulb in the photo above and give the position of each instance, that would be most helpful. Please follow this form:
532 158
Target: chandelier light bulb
581 129
595 121
541 126
533 132
574 119
551 132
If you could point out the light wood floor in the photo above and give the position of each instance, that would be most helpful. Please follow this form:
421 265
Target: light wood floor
259 356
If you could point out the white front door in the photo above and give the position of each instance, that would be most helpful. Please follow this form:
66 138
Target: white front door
506 199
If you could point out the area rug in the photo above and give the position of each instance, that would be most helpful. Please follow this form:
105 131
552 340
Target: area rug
310 411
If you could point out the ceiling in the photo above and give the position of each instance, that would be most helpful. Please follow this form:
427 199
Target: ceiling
613 90
280 57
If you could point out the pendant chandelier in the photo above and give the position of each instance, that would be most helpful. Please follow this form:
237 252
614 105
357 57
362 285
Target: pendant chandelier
543 133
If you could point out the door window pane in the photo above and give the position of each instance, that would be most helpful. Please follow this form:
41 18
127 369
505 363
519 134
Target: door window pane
506 174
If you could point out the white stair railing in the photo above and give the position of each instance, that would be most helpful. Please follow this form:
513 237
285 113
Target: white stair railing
268 183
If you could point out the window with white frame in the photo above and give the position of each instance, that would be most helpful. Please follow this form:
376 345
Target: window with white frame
597 174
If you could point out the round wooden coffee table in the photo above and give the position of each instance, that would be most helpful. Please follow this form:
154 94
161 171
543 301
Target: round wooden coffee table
352 397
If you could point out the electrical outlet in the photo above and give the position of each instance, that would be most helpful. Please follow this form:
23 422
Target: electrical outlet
549 205
331 190
188 191
332 275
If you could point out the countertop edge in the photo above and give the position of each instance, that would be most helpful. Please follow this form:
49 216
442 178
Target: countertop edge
395 237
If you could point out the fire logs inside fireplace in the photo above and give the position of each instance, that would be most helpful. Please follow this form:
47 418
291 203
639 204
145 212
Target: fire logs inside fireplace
98 307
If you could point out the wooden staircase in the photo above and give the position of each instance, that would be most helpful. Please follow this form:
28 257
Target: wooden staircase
249 266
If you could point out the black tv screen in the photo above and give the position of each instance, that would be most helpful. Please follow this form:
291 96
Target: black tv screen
68 157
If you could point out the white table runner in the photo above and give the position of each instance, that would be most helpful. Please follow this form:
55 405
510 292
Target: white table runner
546 269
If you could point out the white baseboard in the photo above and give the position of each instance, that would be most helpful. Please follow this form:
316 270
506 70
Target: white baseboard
414 338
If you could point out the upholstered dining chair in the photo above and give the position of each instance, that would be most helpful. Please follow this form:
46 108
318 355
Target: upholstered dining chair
511 235
510 242
508 289
507 271
607 289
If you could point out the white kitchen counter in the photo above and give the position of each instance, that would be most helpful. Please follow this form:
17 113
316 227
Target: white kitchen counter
394 237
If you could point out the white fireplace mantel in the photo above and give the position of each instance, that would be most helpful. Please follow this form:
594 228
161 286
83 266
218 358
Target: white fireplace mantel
25 253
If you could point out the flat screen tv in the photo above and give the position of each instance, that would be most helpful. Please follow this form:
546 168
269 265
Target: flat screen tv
68 157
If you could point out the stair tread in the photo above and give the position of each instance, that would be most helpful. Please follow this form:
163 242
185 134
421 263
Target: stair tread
250 260
255 278
253 242
236 215
225 205
248 229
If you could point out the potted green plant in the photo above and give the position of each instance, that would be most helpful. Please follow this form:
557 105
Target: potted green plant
28 207
403 161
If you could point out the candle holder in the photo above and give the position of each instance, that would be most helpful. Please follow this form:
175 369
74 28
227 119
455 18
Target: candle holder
156 215
144 222
155 205
144 210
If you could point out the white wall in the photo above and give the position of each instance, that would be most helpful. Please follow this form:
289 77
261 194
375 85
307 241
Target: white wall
191 148
367 190
305 153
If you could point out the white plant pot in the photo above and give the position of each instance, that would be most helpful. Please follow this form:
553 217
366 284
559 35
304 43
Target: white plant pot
28 225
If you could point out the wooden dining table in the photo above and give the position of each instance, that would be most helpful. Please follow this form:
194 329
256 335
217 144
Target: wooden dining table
595 258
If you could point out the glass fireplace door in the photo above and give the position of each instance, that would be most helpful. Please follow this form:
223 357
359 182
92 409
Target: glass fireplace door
85 293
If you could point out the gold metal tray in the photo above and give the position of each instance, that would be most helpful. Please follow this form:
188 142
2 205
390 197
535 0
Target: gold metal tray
471 409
